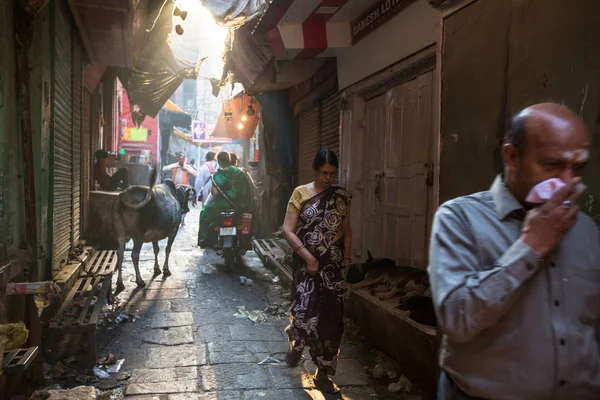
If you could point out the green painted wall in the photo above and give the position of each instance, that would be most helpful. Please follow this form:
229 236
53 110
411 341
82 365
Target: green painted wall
40 62
12 212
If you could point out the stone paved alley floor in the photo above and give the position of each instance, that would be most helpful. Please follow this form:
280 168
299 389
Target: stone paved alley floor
188 344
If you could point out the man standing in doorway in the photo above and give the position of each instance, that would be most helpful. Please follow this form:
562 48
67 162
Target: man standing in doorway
180 171
516 280
203 183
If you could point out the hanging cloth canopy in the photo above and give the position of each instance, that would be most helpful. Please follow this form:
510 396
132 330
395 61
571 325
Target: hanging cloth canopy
235 13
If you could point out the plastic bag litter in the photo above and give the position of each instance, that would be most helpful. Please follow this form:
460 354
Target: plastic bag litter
246 281
100 373
269 361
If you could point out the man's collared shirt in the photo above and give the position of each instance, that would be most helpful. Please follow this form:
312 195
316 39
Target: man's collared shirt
515 327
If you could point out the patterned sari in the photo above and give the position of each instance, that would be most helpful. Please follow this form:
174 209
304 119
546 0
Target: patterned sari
317 310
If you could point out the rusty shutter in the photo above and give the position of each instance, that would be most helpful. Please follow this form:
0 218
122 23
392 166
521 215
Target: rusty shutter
76 150
63 136
86 158
308 143
330 123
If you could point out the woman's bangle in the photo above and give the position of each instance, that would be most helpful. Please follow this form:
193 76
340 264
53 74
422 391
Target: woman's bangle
299 248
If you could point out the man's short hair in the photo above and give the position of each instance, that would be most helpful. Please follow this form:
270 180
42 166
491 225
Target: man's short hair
210 156
516 134
233 158
224 159
101 154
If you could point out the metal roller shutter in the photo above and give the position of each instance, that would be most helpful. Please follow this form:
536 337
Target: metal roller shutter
308 143
330 123
76 150
63 136
86 157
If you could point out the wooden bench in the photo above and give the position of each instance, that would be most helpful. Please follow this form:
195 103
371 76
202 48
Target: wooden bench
273 257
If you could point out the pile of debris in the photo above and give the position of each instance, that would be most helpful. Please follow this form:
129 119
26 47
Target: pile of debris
63 382
115 314
386 370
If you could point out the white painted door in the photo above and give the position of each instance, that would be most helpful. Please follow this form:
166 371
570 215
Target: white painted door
398 140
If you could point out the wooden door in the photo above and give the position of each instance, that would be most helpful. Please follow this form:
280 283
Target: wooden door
398 137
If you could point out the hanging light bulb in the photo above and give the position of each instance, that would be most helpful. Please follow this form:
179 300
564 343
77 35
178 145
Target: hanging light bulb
240 126
179 13
244 118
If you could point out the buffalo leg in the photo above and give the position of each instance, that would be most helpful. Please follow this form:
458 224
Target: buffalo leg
120 256
135 256
166 271
156 266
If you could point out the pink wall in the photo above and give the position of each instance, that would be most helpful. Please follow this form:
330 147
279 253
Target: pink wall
149 123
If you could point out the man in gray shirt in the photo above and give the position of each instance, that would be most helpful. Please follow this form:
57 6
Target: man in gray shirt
516 287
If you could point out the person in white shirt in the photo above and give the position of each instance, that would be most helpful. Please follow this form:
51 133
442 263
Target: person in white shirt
180 171
203 182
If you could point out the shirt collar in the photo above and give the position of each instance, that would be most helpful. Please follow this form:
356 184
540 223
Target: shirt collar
503 199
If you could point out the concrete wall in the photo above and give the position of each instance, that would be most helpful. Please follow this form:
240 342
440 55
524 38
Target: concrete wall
408 32
499 57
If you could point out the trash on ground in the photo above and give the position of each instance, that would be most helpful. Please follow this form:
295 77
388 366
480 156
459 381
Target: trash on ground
269 361
256 316
276 279
403 385
109 360
116 313
246 281
100 373
384 367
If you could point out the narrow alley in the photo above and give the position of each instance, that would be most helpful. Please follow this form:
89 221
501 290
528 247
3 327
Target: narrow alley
192 335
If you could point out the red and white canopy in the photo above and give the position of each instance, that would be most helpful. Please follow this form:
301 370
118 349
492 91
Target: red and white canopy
305 29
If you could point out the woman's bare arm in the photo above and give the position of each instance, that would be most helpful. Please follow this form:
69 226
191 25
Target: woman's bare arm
289 230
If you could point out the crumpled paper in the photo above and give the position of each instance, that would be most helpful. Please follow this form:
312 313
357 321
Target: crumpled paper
256 316
543 191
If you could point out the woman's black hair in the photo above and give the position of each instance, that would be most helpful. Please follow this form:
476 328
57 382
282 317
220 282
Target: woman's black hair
325 157
224 159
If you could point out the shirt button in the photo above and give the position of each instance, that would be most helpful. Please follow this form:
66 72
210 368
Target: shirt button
562 383
553 265
529 267
562 342
556 303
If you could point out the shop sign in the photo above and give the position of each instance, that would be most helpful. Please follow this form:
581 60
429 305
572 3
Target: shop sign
375 16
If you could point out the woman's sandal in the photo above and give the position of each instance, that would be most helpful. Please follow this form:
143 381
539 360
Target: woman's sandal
325 384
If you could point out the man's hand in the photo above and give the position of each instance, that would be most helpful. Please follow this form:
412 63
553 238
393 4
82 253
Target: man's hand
546 225
312 267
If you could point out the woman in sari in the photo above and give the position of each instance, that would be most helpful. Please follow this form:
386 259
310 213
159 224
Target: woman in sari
231 190
317 226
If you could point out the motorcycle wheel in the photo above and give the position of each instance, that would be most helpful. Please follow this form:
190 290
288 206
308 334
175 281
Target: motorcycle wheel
229 258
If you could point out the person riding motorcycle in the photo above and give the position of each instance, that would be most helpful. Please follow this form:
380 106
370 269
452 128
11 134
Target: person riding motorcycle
231 191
